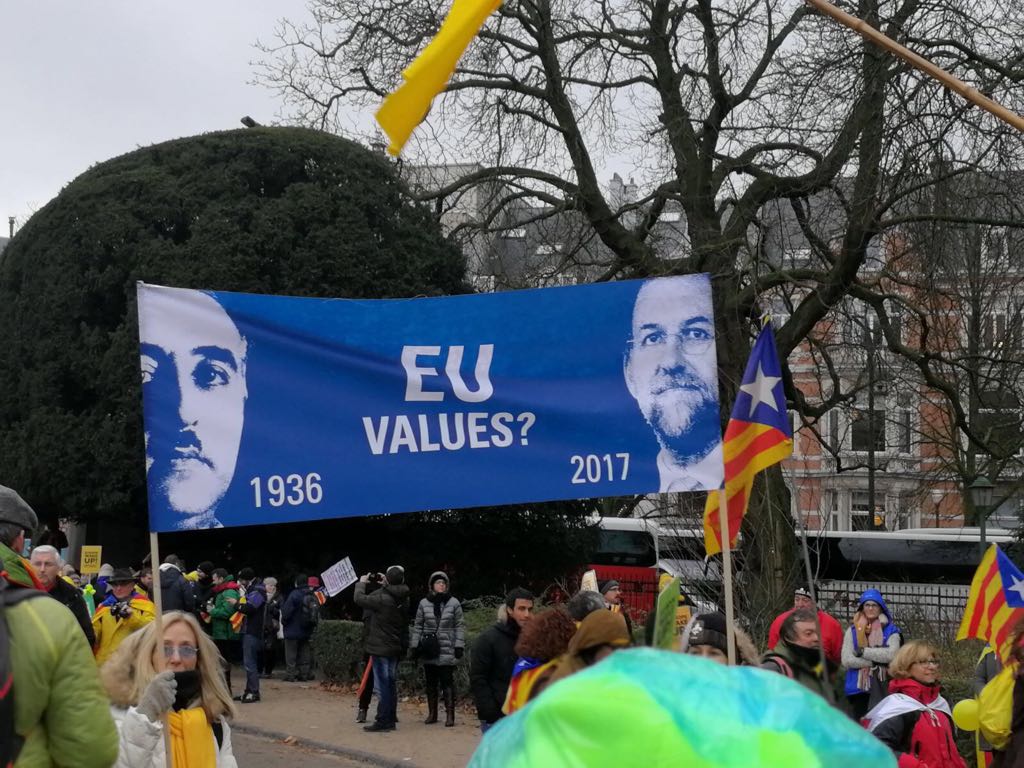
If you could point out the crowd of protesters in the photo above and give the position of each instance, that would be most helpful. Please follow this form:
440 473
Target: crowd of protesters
127 683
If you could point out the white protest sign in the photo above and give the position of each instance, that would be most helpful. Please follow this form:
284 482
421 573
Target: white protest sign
589 582
339 576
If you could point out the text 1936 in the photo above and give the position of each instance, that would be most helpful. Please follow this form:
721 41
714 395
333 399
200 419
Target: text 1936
290 490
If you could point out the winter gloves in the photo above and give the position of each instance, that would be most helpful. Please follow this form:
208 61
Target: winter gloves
158 696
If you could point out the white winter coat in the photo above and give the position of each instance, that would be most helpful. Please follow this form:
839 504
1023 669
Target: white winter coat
142 741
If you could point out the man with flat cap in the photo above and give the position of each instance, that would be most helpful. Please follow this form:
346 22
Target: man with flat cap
61 712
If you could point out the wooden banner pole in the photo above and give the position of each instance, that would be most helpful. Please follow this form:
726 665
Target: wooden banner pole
919 62
723 522
158 628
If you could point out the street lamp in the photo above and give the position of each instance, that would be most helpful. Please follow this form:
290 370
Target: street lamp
981 499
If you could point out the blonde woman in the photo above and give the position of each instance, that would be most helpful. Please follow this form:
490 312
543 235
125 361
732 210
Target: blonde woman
914 720
189 695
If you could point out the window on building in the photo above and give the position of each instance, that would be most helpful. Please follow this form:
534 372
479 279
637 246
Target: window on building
993 330
1015 249
902 427
871 332
894 310
862 516
1001 430
866 433
999 420
994 248
906 504
1007 512
832 502
832 431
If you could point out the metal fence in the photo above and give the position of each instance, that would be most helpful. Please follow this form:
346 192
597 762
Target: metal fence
938 606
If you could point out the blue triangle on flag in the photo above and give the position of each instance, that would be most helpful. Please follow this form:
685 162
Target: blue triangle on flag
1012 578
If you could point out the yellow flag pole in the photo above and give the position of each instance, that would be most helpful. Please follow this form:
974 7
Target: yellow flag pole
919 62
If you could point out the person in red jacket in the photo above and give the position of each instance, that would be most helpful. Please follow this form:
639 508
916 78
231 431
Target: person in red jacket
831 631
914 720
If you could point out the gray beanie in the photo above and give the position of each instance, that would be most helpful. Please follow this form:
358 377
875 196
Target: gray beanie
13 509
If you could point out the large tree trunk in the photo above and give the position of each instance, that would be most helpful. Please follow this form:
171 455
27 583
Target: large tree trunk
772 562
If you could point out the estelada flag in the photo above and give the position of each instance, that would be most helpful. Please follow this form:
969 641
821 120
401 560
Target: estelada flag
430 72
758 435
996 602
237 617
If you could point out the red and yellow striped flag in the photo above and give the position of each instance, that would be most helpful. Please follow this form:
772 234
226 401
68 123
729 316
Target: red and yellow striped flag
237 617
996 603
758 435
430 72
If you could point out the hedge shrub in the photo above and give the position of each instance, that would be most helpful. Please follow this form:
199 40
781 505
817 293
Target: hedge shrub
338 650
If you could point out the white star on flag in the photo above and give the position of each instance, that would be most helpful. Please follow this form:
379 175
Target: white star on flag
761 390
1018 587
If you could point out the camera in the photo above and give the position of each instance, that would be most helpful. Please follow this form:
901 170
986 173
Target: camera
376 578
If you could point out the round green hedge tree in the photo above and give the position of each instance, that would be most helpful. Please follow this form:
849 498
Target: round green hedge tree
269 210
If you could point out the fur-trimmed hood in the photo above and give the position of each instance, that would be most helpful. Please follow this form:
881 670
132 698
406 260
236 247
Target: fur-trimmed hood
118 673
745 648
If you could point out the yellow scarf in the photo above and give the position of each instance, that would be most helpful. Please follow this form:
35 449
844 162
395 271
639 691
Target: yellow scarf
192 741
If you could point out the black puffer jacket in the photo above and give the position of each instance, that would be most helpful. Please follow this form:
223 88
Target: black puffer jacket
175 590
388 635
491 668
272 619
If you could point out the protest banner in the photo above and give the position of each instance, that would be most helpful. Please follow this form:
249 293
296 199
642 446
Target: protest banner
588 582
268 409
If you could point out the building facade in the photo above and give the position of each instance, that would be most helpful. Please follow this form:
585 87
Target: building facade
888 455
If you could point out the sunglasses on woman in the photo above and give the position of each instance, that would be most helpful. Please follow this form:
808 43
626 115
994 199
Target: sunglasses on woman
184 651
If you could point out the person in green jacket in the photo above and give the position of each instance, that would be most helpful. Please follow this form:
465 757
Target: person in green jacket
60 708
223 604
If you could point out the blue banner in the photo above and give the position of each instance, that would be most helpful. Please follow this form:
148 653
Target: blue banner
267 409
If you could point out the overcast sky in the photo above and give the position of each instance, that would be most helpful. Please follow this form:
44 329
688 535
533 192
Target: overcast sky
87 81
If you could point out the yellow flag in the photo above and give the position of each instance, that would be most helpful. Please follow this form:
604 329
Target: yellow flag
430 72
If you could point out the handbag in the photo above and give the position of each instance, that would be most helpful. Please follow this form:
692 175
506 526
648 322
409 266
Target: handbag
429 647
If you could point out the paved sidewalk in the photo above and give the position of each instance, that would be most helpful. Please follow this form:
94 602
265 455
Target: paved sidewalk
310 713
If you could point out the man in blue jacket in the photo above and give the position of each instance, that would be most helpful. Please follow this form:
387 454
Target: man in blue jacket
252 606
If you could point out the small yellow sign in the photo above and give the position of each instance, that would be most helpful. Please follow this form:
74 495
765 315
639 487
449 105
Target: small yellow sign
91 558
683 614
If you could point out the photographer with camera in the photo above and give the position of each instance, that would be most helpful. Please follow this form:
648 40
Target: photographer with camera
123 612
386 639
